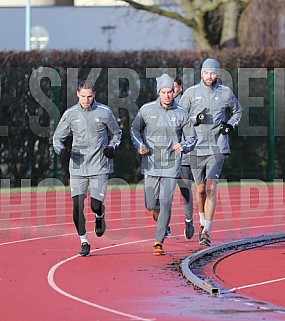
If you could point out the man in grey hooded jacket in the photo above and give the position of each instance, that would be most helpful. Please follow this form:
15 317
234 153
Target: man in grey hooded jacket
215 112
91 156
157 133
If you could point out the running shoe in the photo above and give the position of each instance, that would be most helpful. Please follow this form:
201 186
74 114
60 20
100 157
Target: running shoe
157 249
85 249
100 225
168 232
205 239
189 230
155 214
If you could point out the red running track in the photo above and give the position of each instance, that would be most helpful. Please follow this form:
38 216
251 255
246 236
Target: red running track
256 272
42 278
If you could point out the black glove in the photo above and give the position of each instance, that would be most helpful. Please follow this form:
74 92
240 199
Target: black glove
109 151
225 128
64 156
201 118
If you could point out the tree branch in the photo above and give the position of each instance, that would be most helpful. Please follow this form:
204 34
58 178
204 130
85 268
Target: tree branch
166 13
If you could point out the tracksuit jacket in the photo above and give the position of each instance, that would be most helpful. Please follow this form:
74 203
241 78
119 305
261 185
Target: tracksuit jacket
89 129
222 106
160 129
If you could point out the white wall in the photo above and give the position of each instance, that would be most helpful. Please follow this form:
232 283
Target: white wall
81 28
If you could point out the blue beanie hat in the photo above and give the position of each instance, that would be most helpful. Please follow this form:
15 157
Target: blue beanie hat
164 81
211 65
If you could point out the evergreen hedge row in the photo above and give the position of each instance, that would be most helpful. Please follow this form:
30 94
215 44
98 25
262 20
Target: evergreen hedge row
37 87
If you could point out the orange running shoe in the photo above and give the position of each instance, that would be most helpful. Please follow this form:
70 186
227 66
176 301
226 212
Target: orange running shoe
158 250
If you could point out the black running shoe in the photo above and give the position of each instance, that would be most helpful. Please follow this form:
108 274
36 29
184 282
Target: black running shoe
168 231
189 230
205 239
100 225
85 249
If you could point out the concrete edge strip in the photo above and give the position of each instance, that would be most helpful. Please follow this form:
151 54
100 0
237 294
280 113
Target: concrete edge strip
248 242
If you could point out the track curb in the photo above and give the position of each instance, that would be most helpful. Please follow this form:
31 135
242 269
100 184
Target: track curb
246 243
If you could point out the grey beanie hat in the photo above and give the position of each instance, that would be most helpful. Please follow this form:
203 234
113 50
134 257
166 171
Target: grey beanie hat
164 81
211 65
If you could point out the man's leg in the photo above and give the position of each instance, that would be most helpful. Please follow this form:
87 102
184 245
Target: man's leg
211 199
78 214
198 167
185 185
201 199
79 186
167 188
98 208
213 171
98 189
210 207
151 190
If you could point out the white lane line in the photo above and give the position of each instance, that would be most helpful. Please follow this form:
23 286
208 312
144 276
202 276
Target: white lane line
255 284
46 225
257 227
52 283
37 238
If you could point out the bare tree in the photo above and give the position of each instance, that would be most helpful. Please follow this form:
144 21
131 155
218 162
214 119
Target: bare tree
259 24
205 17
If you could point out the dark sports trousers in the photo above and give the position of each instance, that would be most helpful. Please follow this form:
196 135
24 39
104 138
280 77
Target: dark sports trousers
185 186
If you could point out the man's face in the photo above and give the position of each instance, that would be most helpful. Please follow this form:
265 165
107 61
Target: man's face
166 96
177 89
209 77
86 97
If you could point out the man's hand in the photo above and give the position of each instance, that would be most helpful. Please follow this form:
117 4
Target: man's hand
109 152
64 156
225 128
143 150
178 147
201 118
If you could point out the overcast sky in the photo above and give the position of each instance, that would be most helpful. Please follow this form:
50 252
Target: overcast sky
81 28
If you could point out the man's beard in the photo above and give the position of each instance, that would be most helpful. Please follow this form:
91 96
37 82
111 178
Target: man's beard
212 84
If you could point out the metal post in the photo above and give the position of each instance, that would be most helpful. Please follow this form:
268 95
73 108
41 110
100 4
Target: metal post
271 131
28 26
109 29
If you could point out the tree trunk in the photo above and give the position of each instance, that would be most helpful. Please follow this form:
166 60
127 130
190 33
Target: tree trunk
200 41
229 29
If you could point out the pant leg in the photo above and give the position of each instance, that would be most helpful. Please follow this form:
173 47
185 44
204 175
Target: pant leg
185 186
151 190
167 188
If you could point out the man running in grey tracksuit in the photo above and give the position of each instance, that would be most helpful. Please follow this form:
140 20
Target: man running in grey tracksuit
157 132
209 103
186 177
90 157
